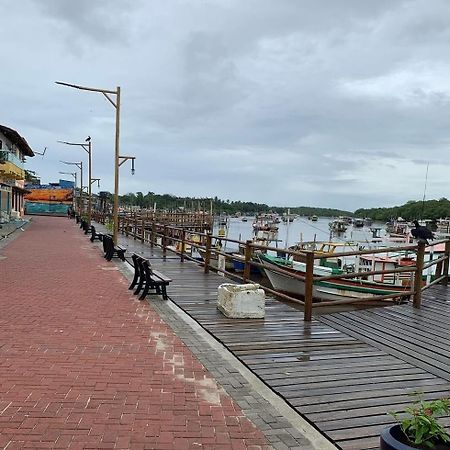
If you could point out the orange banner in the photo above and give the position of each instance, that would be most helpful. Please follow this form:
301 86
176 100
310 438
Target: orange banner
50 195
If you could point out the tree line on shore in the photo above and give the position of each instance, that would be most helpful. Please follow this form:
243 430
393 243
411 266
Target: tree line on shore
430 209
218 206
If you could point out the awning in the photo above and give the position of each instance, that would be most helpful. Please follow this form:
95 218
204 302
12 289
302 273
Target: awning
21 190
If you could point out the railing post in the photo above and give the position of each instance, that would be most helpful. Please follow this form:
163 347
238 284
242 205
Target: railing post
164 240
446 263
248 258
152 235
208 252
127 224
142 229
183 244
309 286
135 225
418 275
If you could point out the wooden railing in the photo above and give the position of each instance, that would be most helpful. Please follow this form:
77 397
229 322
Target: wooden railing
199 221
177 239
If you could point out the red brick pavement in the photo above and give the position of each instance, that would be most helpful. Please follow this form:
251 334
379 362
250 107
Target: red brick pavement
84 365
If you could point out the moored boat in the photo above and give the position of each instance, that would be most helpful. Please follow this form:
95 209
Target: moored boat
338 226
332 289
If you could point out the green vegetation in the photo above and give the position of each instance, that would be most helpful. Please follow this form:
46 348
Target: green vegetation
172 202
32 177
431 209
420 424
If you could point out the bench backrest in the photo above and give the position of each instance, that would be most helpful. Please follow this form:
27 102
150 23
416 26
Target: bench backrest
108 243
142 265
146 267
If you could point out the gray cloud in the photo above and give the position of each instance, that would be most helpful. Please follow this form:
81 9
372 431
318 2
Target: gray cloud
338 104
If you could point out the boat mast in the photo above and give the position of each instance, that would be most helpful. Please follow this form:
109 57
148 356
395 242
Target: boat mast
424 191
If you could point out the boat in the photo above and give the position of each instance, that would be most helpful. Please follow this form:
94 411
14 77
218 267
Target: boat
332 289
338 226
265 229
358 223
314 218
287 217
326 250
244 219
398 229
214 260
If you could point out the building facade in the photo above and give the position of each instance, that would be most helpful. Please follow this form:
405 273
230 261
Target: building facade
13 151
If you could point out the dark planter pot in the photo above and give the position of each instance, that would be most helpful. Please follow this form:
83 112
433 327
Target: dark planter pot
393 438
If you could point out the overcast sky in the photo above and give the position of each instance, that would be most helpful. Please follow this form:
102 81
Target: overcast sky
285 102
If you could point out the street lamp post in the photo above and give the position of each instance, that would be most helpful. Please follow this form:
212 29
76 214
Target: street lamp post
87 148
116 105
80 166
74 174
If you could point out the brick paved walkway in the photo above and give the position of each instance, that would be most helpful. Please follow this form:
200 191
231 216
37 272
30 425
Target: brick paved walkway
84 365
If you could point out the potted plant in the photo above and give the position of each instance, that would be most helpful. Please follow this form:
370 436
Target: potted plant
418 427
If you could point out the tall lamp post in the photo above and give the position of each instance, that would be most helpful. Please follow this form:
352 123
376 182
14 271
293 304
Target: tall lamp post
87 147
74 174
80 166
116 104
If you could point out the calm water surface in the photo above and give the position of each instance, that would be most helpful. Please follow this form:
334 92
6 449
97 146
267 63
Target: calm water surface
301 229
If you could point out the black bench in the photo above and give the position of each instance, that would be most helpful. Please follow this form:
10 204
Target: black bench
145 278
95 235
112 250
84 226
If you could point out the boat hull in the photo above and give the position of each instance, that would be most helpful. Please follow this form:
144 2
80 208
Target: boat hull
336 289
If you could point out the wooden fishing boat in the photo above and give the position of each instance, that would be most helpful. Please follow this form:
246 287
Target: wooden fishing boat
332 289
338 226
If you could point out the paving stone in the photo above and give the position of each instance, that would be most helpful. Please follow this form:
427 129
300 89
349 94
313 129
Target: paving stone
252 403
90 366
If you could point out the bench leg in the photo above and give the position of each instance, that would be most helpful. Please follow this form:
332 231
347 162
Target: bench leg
139 286
164 292
135 279
145 291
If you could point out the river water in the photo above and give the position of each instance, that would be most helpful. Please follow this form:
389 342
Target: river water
301 229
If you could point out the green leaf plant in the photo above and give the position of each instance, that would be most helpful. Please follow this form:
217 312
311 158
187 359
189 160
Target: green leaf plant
419 422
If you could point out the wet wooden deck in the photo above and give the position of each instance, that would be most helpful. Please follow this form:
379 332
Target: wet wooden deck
343 371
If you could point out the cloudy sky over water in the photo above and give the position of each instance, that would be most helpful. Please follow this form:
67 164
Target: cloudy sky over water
286 102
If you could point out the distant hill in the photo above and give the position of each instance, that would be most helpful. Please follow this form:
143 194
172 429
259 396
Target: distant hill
172 202
430 209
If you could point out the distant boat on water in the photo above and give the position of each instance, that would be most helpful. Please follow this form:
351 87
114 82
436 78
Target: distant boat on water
338 226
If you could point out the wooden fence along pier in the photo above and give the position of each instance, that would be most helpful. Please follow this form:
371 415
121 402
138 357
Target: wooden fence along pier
343 371
177 232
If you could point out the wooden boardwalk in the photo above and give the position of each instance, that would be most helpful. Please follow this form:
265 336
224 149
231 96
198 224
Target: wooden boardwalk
344 371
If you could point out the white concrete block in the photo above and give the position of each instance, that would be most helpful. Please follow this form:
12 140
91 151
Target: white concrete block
241 301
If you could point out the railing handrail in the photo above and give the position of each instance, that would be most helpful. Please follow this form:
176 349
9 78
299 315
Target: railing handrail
151 230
